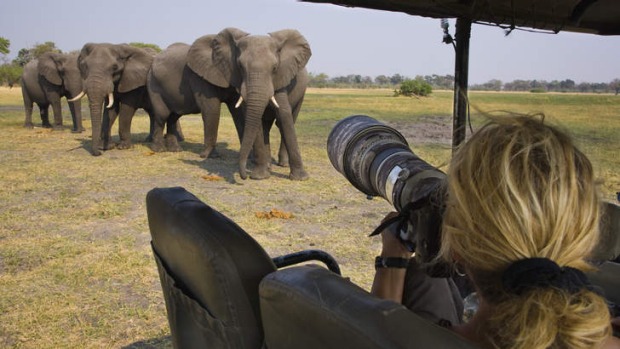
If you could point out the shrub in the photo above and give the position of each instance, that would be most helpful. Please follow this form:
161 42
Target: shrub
417 87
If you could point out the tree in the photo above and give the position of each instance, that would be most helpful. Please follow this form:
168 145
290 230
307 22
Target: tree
10 74
396 79
319 80
614 85
145 45
48 46
4 46
417 87
382 80
567 85
25 55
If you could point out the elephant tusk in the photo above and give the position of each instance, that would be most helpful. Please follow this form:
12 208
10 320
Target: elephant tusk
275 104
78 97
110 100
239 102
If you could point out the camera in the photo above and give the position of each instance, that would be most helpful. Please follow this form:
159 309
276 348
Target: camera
377 160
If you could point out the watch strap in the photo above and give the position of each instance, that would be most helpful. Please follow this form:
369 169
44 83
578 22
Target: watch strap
391 262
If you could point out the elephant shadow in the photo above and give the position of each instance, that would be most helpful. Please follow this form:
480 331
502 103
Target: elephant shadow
225 165
136 138
151 343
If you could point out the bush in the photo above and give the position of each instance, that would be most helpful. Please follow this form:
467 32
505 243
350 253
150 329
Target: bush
417 87
10 74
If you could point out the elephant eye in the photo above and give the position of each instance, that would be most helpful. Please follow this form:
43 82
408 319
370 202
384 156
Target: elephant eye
115 67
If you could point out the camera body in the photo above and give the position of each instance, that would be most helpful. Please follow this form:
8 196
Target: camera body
377 160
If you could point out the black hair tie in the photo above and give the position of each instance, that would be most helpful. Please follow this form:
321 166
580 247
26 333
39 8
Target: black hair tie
531 273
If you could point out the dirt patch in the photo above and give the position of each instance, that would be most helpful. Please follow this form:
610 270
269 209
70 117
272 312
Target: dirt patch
430 129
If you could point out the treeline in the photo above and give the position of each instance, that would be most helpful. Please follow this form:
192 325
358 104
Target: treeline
446 82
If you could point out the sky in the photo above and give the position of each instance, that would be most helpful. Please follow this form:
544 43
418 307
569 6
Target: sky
343 40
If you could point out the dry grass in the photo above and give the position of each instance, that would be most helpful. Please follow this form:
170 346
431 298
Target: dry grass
76 268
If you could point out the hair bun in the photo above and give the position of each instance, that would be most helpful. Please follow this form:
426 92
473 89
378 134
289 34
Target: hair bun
529 273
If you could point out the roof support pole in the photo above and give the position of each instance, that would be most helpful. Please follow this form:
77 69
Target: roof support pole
461 74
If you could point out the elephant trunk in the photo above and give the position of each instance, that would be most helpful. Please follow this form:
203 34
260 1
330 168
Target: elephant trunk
96 111
255 107
97 90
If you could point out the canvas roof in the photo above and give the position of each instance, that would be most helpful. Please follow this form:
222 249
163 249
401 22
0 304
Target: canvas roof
600 17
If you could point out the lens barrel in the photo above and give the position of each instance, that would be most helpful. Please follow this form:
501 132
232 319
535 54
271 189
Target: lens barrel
377 160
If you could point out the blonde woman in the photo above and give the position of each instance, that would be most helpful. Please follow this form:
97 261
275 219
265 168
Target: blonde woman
521 218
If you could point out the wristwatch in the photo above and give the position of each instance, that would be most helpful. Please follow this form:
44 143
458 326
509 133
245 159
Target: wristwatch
391 262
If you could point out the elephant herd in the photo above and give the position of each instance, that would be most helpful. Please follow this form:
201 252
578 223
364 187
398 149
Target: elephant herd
262 79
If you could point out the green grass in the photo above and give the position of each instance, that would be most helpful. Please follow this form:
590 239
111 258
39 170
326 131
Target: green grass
76 269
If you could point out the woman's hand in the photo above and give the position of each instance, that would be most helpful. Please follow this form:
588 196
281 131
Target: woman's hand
389 282
392 246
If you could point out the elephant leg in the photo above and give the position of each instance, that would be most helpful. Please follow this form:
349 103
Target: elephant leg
179 131
57 110
210 109
262 158
282 152
238 117
125 117
172 143
158 133
283 159
287 126
268 119
28 109
149 138
76 116
45 117
109 116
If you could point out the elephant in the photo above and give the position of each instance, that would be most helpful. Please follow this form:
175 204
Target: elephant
267 76
115 73
45 81
175 90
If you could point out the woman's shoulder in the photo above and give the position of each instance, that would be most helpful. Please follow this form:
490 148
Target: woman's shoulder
612 343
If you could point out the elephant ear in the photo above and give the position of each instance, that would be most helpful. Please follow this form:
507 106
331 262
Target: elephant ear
214 57
294 55
137 65
50 66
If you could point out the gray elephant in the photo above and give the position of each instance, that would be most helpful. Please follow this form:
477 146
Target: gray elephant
260 78
45 81
116 75
174 90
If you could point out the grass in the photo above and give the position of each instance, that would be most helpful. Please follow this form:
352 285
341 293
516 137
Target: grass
76 269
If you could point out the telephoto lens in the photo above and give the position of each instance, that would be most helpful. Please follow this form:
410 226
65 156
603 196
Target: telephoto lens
377 160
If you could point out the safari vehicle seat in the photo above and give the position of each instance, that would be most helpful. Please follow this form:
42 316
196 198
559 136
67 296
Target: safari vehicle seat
306 307
209 270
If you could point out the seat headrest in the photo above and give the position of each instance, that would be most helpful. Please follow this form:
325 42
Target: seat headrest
311 307
209 257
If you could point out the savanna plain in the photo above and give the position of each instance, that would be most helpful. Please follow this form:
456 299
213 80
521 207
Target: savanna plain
76 267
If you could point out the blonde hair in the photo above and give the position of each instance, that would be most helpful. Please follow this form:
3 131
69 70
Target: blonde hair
521 189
